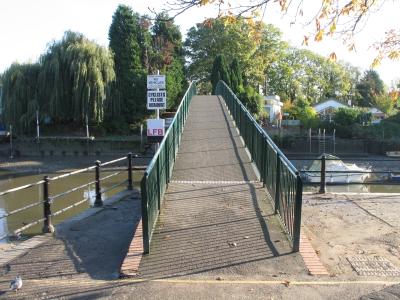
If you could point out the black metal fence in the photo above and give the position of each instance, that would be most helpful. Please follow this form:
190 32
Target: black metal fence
48 199
280 177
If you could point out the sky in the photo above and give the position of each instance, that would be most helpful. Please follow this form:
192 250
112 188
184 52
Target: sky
27 26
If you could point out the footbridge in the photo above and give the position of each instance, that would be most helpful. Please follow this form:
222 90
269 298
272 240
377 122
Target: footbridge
218 193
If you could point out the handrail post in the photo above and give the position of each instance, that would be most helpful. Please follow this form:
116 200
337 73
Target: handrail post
130 184
98 202
297 213
47 226
322 187
145 215
277 183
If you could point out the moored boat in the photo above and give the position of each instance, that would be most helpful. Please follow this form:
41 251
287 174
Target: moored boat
336 171
393 153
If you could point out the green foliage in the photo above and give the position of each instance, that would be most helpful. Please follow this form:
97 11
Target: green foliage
235 40
236 75
369 88
70 80
128 44
219 72
301 73
176 83
346 116
168 56
384 102
75 77
251 99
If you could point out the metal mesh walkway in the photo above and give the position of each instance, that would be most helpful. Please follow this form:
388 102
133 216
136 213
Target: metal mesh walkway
215 216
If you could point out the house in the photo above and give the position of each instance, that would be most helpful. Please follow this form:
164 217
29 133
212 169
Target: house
326 110
273 106
376 115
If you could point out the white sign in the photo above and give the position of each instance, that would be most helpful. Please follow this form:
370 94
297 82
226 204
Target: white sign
156 99
155 82
155 127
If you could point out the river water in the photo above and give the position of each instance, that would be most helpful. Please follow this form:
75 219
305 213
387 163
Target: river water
34 194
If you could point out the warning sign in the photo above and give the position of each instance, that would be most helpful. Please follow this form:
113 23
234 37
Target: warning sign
156 100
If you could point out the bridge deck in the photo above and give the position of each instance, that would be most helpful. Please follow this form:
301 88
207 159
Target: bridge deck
216 217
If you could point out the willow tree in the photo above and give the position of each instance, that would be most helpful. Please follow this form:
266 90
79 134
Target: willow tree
75 77
20 95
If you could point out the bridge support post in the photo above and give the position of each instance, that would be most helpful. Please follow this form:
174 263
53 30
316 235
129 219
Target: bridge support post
98 202
322 187
130 182
297 213
47 226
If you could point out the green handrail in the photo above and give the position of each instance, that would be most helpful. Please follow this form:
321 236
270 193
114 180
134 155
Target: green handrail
159 171
277 173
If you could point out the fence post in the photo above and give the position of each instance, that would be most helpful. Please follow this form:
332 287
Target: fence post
322 187
158 184
145 215
277 183
47 226
98 202
297 213
130 183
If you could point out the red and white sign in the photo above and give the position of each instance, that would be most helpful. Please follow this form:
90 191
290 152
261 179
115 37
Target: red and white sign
155 127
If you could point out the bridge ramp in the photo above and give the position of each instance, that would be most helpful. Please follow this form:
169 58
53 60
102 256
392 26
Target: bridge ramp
216 218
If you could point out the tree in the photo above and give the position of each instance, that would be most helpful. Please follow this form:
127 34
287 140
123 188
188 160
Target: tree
75 77
71 80
301 73
253 49
370 87
168 57
236 76
20 95
126 38
251 99
219 72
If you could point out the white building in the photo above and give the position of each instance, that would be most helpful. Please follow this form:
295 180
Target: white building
376 115
273 106
326 110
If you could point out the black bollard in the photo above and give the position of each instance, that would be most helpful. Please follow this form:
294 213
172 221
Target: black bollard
47 226
130 183
322 187
98 202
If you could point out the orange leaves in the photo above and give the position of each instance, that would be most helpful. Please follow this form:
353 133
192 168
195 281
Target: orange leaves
320 34
376 62
395 54
305 41
332 57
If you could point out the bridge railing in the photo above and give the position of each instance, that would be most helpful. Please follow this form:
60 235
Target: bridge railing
279 176
159 170
52 205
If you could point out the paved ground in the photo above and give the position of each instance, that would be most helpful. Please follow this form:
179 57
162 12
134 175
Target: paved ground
88 249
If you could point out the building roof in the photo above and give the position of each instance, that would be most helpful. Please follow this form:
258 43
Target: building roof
330 103
375 111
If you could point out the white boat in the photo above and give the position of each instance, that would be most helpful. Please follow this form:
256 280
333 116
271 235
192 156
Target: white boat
336 171
393 153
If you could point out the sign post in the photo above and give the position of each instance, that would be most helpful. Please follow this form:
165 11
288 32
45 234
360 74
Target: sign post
156 100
